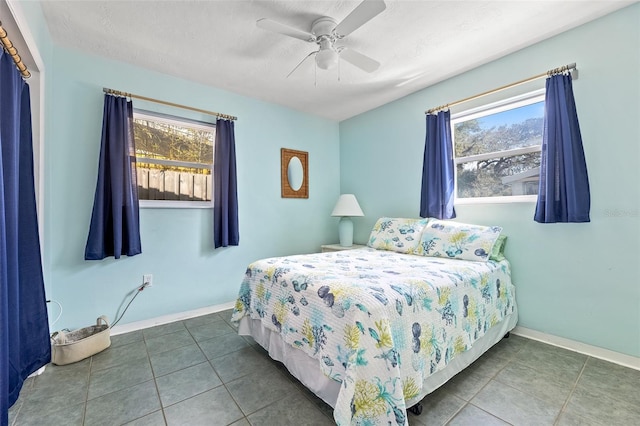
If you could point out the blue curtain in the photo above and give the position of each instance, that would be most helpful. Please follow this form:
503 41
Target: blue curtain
24 324
438 169
115 222
225 196
563 194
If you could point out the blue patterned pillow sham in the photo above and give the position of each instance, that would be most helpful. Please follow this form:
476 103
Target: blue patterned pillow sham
455 240
397 234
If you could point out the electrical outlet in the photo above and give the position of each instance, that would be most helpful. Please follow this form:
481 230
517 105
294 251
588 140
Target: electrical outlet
147 280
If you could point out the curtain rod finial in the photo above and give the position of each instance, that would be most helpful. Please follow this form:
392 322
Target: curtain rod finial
574 74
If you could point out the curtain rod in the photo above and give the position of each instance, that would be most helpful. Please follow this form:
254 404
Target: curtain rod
144 98
11 50
508 86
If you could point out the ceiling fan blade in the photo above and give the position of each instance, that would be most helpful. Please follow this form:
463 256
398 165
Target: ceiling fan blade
361 61
301 62
276 27
365 11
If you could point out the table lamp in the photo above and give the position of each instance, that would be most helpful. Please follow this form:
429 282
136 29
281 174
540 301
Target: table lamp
346 207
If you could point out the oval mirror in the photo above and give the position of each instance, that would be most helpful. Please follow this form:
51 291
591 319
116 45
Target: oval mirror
295 173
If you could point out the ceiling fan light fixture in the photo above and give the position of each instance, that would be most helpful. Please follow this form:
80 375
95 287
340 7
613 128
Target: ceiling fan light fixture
327 59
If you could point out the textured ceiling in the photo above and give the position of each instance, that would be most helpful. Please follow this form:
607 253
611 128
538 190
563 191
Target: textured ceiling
217 43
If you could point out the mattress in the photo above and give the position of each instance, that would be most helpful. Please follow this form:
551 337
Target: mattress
376 323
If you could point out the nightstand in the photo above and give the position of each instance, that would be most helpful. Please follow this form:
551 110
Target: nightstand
337 247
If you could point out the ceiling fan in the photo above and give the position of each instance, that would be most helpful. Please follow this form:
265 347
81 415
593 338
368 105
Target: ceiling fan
325 32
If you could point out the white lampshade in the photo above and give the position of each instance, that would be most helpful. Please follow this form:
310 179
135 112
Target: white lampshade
347 205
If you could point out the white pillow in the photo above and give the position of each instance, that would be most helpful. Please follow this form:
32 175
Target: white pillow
455 240
396 234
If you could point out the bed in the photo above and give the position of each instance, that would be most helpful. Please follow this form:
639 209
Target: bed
372 331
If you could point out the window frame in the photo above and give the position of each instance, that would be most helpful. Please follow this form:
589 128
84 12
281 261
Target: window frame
514 102
178 121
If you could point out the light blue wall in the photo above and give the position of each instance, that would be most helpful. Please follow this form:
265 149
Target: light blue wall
578 281
177 243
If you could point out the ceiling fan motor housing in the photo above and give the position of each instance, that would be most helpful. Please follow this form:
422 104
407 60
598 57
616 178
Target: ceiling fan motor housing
323 27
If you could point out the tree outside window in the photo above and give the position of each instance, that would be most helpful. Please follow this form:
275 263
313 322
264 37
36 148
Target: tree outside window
497 150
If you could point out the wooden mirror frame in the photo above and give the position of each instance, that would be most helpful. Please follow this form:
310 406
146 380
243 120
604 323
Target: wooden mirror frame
287 191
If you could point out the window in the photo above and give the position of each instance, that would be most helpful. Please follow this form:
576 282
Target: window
497 149
174 160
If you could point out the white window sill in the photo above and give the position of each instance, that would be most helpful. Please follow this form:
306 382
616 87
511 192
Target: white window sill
497 200
159 204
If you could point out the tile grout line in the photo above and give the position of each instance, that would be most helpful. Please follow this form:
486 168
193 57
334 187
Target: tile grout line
451 417
573 388
244 416
468 403
86 396
290 378
15 418
153 374
492 378
22 403
508 361
128 387
525 391
162 407
155 383
538 398
492 415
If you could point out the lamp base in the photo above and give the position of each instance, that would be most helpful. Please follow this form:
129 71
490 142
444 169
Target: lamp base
345 231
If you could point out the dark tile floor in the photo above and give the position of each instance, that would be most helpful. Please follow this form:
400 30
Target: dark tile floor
200 372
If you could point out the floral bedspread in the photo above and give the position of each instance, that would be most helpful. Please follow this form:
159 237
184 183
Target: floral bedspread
377 321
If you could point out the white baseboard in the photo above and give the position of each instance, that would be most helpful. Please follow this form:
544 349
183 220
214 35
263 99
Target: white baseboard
583 348
165 319
38 371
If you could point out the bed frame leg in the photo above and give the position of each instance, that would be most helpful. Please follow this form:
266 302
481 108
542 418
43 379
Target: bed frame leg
506 336
415 409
